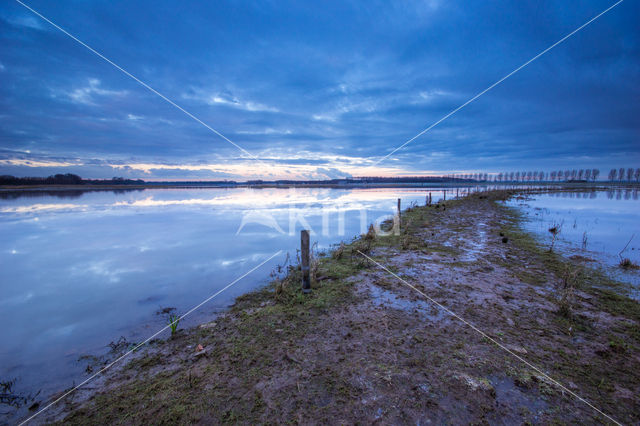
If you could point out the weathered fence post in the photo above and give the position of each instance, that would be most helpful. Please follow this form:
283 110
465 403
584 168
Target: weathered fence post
444 195
399 213
457 194
304 254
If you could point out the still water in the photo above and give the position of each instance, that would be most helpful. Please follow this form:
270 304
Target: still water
593 224
80 269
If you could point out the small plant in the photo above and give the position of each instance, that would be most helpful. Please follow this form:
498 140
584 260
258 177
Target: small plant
363 246
626 263
406 242
314 263
371 233
7 386
173 323
337 253
618 345
554 230
119 345
567 291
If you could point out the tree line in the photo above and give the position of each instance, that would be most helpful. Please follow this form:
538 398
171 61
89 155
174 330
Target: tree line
577 175
66 179
620 174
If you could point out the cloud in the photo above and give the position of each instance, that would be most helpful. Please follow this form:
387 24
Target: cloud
227 99
86 95
332 173
432 95
266 131
321 88
28 21
36 163
301 165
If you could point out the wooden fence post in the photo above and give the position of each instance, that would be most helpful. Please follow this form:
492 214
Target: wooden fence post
399 213
304 258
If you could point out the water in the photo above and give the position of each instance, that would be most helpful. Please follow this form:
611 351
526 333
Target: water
608 219
80 269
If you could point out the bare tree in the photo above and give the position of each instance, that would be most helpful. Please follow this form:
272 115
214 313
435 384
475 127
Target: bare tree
580 174
629 174
637 174
612 174
594 174
587 174
621 174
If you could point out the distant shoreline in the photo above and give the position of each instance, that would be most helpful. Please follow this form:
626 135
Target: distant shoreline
89 187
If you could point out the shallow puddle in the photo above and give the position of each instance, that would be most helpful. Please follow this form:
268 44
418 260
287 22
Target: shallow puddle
527 403
386 298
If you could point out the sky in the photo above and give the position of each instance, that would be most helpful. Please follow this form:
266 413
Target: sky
316 90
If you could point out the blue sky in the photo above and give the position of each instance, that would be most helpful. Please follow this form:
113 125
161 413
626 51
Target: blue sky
316 89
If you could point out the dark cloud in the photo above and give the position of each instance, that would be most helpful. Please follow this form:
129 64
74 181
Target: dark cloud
348 79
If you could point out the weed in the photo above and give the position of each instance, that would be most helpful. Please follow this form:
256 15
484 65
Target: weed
626 263
337 253
555 230
617 345
567 291
371 233
119 345
7 386
314 263
173 323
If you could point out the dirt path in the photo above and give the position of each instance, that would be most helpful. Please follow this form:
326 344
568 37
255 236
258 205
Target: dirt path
366 348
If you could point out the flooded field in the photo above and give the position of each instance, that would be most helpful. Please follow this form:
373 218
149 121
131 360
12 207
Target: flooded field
599 225
82 269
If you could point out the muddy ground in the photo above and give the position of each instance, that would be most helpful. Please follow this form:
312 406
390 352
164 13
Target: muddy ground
364 347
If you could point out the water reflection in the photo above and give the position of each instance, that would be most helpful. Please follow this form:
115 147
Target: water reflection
81 269
58 193
611 193
595 224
